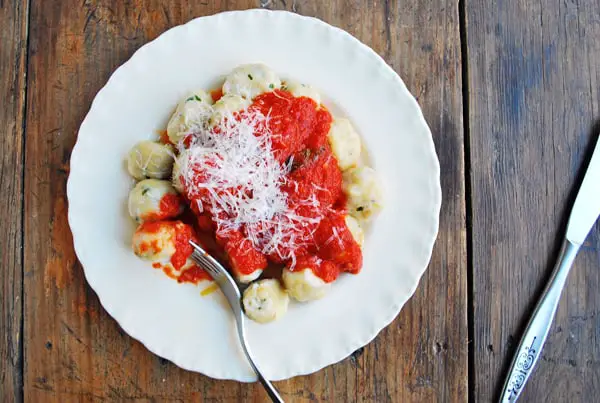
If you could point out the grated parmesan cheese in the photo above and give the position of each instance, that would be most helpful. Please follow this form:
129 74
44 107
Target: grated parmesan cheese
231 171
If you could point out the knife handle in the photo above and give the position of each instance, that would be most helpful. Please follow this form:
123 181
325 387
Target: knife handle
530 346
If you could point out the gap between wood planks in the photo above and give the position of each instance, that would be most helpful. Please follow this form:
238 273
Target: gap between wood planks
20 393
464 56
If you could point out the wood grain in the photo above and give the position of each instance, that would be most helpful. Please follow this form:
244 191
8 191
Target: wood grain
75 352
533 84
13 48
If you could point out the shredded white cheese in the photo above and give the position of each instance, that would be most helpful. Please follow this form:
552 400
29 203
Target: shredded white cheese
231 171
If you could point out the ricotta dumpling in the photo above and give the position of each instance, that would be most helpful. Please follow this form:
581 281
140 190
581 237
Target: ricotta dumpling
345 143
155 242
302 90
303 285
192 114
149 159
265 301
153 200
250 80
364 192
226 107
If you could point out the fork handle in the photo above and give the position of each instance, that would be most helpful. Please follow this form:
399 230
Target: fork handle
533 339
269 388
271 391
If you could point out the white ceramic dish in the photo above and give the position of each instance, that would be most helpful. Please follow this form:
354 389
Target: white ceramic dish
197 333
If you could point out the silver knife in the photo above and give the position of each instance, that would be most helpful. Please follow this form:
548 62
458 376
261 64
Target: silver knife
583 216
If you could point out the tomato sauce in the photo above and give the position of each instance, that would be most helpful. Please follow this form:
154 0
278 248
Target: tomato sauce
193 275
180 234
164 137
326 270
243 258
216 94
334 242
326 246
298 120
151 227
170 205
183 249
204 222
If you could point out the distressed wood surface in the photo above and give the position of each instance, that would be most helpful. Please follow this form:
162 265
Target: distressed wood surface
13 48
534 77
75 352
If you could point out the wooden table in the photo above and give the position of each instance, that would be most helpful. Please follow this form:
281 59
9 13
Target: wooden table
511 92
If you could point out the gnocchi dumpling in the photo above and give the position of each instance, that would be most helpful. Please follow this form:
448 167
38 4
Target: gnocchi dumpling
153 200
265 301
298 89
155 241
149 159
192 113
364 193
345 143
303 285
248 278
227 105
179 164
158 242
355 229
246 263
250 80
182 164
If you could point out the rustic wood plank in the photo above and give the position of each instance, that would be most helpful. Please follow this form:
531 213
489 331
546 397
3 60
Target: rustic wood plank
13 48
533 84
76 352
422 356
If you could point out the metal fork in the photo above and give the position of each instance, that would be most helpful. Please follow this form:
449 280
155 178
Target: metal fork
234 296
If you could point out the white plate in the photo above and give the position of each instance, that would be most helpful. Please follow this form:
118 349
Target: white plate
173 320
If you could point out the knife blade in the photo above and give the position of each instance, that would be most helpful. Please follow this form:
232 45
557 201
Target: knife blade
586 208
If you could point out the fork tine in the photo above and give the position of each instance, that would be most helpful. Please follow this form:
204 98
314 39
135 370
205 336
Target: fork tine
225 281
213 271
205 263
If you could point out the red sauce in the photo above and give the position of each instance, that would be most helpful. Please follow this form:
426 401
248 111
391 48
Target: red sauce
296 119
327 247
164 137
180 234
151 246
216 94
243 258
334 242
319 169
325 270
193 275
171 205
187 141
151 227
204 222
183 249
318 137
